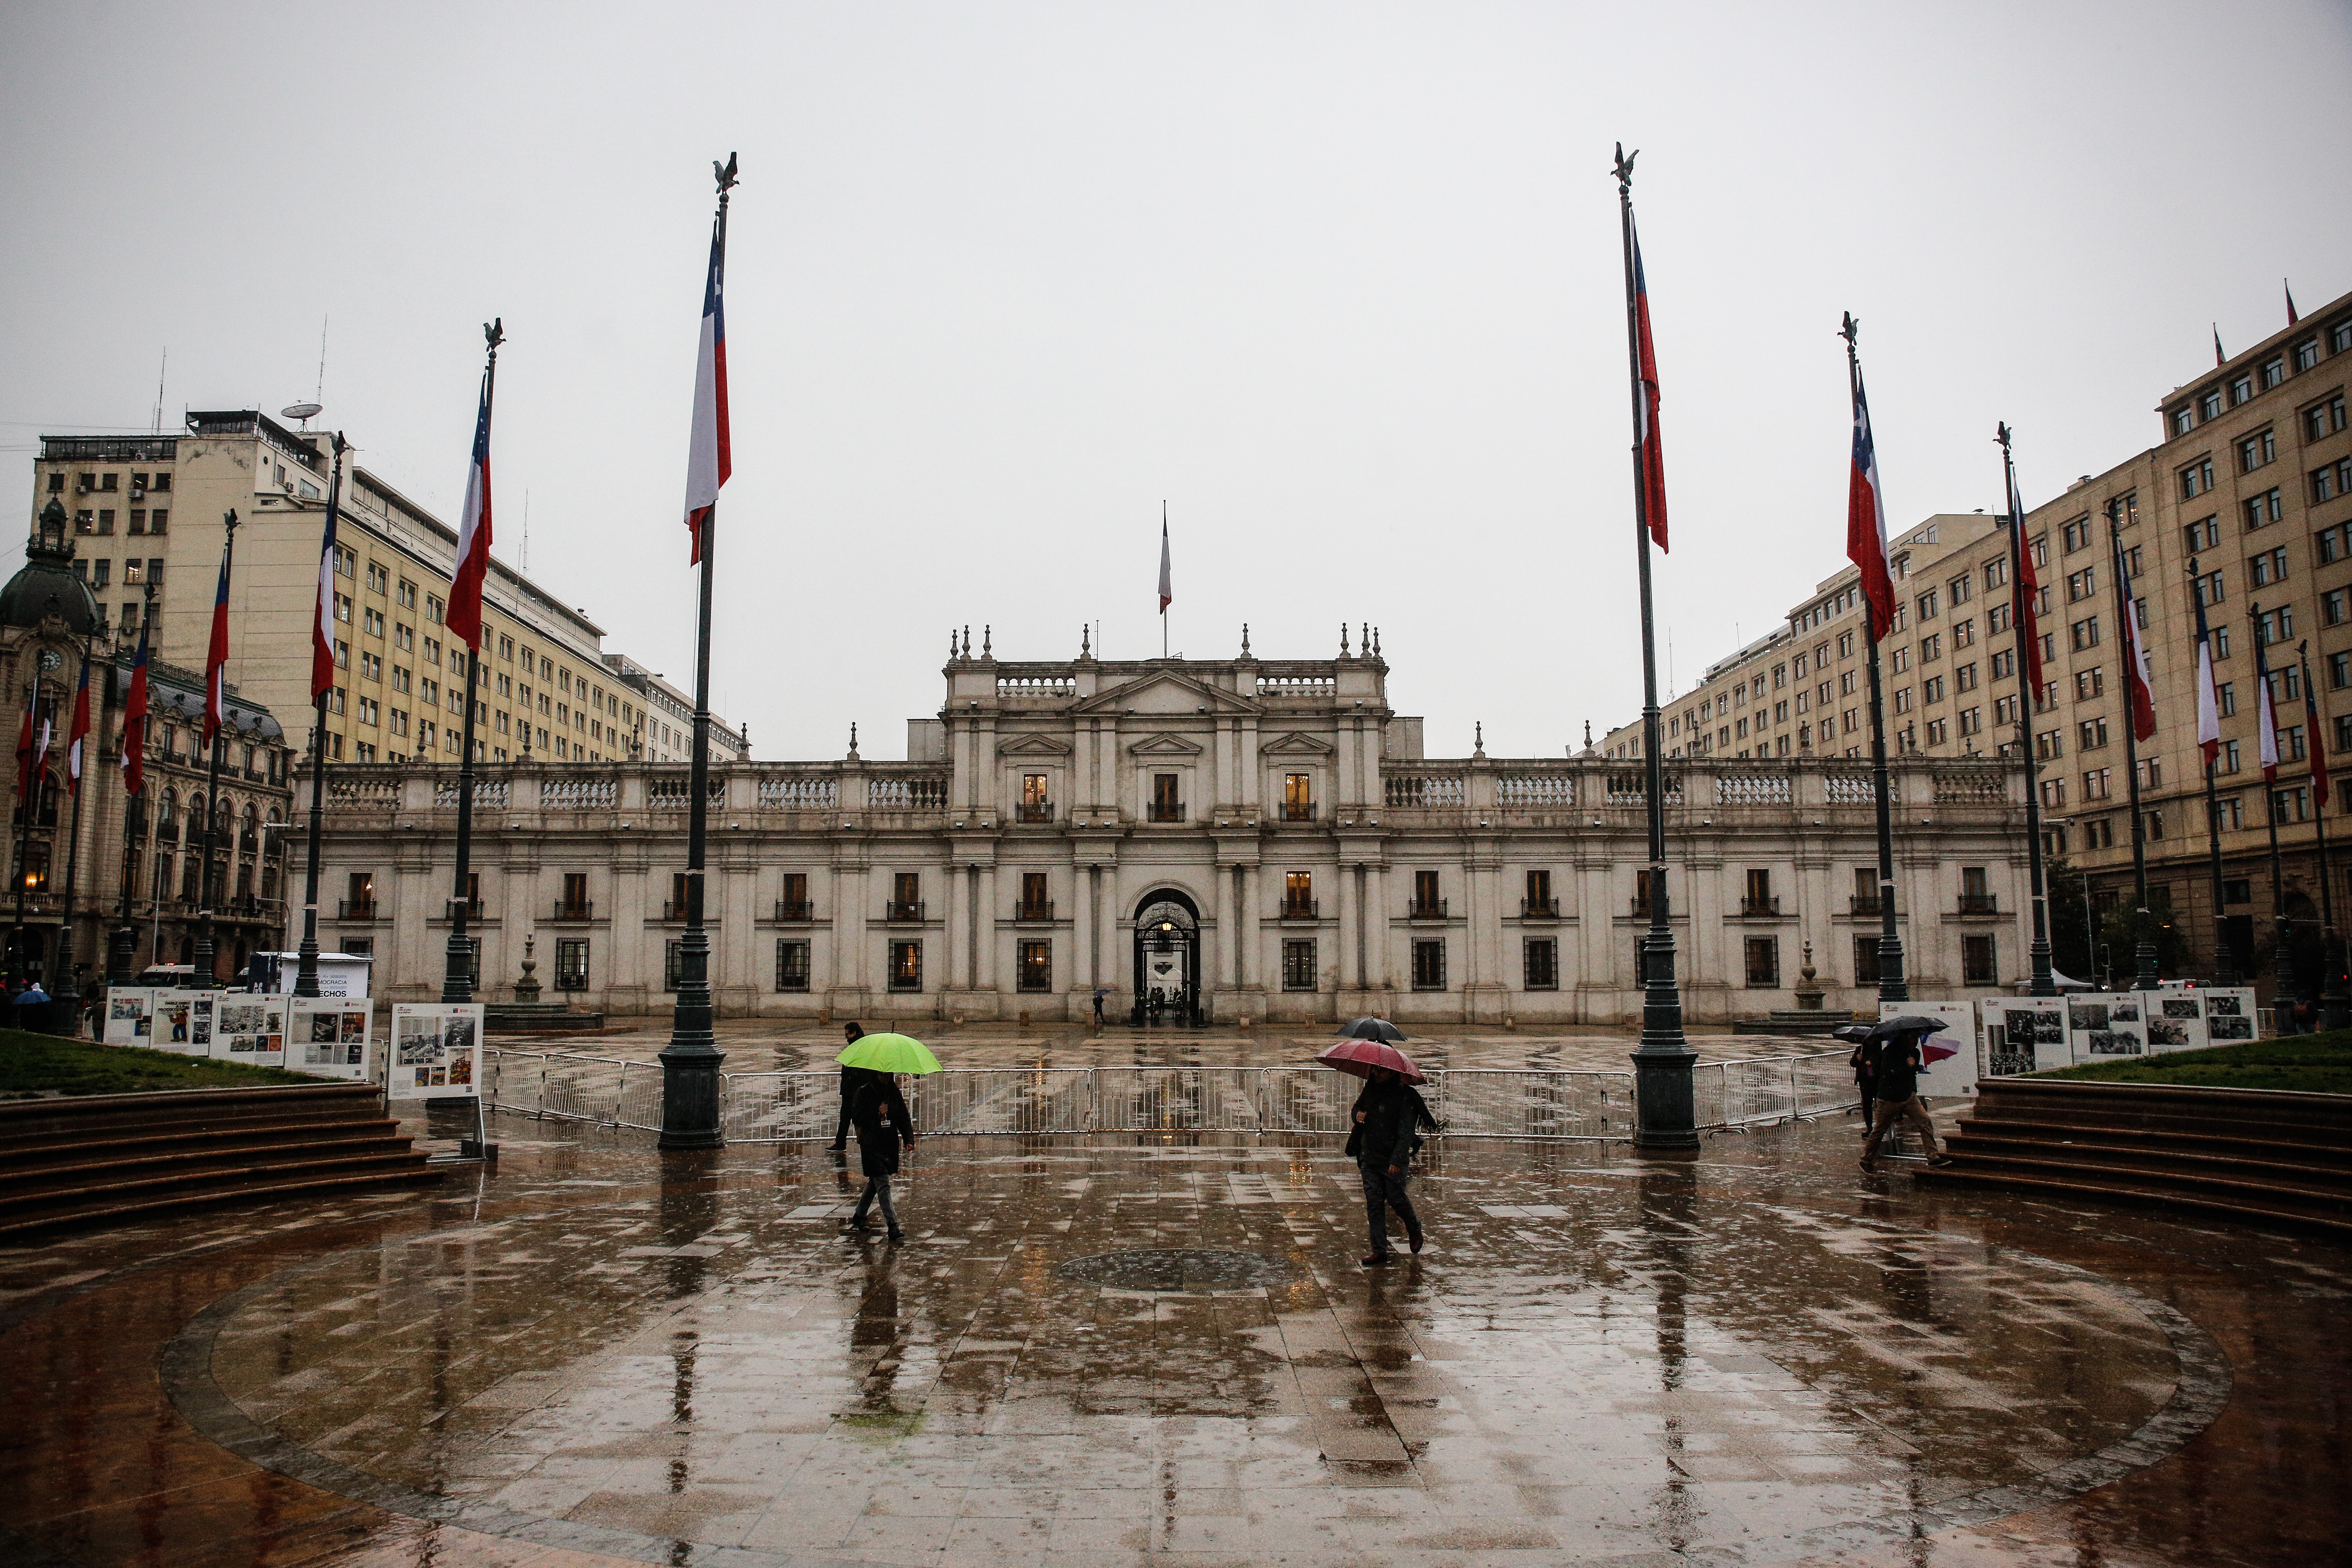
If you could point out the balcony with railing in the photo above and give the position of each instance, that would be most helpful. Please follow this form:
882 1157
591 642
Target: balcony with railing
1034 913
1540 909
1301 908
902 911
1167 811
355 910
1298 811
1425 909
570 913
1035 811
1980 904
1867 904
1764 908
794 910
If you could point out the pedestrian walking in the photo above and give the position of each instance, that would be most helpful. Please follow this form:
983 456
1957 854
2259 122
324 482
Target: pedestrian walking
882 1123
1387 1119
1896 1066
1864 1064
853 1034
1098 1009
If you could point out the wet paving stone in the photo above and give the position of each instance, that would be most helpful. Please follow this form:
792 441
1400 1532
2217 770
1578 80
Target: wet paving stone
1162 1350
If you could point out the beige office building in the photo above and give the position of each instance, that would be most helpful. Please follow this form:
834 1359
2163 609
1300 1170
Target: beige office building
2247 500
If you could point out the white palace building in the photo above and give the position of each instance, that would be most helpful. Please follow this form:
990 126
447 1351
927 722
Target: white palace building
1199 840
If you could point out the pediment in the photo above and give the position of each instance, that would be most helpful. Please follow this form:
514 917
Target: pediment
1165 692
1296 744
1031 745
1164 745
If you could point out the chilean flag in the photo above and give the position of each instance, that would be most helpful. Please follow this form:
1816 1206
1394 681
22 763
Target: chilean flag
709 458
1866 520
81 727
1166 584
2029 590
2139 674
2209 711
2265 715
2319 791
1650 456
464 612
322 622
216 659
135 722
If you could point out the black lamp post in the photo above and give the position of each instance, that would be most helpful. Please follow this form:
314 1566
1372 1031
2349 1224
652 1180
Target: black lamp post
206 960
306 963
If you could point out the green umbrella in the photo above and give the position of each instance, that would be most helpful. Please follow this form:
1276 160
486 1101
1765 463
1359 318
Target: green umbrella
889 1053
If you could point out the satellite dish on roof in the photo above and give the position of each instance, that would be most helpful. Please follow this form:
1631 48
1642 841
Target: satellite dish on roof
302 411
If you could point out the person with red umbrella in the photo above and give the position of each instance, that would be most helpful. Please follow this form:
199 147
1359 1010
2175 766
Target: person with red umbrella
1384 1131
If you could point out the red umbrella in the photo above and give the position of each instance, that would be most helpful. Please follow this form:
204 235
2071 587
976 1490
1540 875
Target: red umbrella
1359 1058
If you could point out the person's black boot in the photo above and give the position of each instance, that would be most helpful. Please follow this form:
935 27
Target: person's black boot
1412 1237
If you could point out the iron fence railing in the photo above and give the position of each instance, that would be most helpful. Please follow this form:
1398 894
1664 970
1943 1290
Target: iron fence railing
1529 1104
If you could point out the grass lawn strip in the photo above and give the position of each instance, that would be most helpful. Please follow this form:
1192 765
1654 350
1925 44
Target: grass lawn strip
2306 1064
48 1064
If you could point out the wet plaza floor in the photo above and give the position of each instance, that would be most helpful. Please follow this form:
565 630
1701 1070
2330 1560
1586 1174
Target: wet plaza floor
1131 1350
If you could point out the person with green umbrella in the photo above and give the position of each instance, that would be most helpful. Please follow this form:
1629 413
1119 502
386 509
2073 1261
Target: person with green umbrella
879 1113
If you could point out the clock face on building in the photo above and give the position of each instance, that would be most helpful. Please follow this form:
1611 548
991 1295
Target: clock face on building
51 659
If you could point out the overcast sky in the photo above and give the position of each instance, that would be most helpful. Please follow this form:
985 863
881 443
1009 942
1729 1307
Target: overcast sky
1340 283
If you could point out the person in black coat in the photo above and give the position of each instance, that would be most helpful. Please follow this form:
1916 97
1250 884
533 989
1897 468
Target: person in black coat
879 1112
1387 1119
853 1034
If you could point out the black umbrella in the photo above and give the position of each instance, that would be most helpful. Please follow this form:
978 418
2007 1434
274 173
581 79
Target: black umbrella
1852 1034
1908 1024
1372 1029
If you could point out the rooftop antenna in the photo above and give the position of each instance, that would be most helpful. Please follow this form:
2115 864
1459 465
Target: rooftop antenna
159 388
304 411
526 528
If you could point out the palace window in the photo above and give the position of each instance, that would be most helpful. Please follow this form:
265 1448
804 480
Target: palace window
1429 966
571 963
1034 965
1977 963
906 966
1541 963
1298 964
792 964
1763 954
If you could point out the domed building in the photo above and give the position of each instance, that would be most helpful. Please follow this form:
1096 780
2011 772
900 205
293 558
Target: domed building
68 863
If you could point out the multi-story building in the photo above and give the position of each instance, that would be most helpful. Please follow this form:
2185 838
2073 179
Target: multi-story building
1231 839
2246 503
147 511
664 718
149 847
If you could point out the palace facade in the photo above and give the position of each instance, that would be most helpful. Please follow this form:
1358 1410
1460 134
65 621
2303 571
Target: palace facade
1214 840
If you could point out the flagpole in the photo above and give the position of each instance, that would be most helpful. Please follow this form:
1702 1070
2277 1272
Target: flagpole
66 995
306 963
206 960
691 1060
2335 1002
2225 957
2044 983
125 945
29 806
2144 939
2282 962
1893 986
1666 1119
457 966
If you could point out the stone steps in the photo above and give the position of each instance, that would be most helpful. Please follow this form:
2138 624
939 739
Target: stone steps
2252 1153
105 1158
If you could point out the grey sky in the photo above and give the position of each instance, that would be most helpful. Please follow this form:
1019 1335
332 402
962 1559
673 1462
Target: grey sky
1340 283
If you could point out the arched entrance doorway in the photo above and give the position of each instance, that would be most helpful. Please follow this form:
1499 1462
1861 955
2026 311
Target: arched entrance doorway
1167 960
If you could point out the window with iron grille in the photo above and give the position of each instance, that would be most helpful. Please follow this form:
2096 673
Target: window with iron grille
1298 964
1763 961
1865 961
906 966
792 964
1429 966
673 963
1976 962
1035 965
1542 963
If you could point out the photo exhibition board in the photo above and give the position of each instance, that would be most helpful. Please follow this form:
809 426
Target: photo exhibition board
1956 1074
129 1013
2033 1033
249 1029
436 1050
2102 1025
182 1021
327 1037
2228 1014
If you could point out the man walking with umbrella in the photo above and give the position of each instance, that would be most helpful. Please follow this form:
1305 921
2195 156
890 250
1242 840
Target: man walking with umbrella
1384 1131
879 1113
1894 1085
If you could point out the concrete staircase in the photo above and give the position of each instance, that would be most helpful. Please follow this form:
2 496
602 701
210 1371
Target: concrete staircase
2285 1159
104 1158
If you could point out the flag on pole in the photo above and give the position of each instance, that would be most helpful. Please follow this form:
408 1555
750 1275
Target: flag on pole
2219 357
2292 317
1650 456
709 458
2139 674
1167 588
135 722
79 728
464 612
1865 519
25 755
322 619
216 659
2265 715
2316 745
2208 708
2028 589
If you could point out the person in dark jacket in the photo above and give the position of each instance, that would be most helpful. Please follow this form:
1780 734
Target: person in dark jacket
1387 1118
879 1112
1896 1066
1865 1063
852 1034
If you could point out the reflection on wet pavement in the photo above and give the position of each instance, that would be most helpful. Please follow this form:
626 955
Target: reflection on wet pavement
1103 1352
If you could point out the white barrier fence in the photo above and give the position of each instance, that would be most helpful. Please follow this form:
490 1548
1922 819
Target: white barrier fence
1531 1104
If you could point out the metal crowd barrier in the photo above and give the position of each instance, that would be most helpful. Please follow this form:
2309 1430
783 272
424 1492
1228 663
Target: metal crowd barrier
1529 1104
